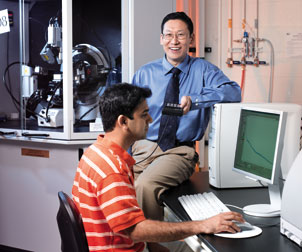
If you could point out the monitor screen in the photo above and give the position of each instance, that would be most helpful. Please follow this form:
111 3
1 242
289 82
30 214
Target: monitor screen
258 154
256 147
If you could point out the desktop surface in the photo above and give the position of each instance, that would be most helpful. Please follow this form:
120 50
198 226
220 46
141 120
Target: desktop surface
270 240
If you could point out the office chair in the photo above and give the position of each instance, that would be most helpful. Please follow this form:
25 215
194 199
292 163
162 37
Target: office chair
73 237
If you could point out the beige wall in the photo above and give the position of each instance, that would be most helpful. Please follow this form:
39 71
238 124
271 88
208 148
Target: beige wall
280 22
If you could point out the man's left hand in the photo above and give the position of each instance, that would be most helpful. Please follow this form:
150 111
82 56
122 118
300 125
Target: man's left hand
186 103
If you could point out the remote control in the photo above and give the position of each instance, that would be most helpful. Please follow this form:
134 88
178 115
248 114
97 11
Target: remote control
172 109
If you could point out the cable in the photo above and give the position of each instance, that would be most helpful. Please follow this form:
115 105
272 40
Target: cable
239 208
48 105
269 225
148 156
270 92
7 60
242 81
157 144
15 101
86 113
94 107
261 183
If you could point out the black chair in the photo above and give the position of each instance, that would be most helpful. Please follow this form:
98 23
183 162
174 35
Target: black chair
73 237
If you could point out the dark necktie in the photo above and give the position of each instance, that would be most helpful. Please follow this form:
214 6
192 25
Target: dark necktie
169 123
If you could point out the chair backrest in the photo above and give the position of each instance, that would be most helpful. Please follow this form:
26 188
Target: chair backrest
73 237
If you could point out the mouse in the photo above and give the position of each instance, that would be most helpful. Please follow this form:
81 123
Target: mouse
244 226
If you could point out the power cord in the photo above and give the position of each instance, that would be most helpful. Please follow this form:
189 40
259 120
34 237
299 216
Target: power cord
157 144
8 89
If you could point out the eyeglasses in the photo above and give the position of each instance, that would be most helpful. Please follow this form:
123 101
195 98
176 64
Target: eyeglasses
170 36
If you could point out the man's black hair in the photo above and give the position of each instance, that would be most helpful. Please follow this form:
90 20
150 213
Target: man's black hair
178 15
121 99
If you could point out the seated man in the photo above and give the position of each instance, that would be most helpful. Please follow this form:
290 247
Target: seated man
167 156
104 190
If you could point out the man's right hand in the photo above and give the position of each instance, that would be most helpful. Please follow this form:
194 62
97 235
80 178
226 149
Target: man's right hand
159 231
223 222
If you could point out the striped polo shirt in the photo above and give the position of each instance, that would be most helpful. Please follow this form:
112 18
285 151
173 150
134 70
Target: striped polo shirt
104 193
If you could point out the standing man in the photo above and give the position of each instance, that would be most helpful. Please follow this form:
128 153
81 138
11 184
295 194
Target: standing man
161 165
103 188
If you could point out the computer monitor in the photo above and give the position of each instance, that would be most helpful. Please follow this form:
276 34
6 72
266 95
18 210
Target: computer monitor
258 154
222 138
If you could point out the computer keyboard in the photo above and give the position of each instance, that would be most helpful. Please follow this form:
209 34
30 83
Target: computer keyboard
202 206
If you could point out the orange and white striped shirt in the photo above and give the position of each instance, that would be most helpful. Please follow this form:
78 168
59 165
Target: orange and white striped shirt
104 193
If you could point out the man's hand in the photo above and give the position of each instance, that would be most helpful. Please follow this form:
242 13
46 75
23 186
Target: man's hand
223 222
186 103
152 231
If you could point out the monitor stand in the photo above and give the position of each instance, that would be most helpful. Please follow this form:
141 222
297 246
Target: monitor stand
267 210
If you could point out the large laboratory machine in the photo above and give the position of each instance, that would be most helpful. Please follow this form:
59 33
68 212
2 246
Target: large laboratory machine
56 59
68 56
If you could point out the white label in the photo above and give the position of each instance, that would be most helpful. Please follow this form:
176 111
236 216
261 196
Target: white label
98 126
4 21
294 44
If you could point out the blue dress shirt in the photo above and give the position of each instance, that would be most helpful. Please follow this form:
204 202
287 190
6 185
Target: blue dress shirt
202 81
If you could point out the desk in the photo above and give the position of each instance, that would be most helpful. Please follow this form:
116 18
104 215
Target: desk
270 240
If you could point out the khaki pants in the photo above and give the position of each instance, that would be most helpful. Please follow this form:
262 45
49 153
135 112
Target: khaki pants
159 172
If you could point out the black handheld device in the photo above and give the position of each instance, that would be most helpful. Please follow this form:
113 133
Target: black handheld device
172 109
